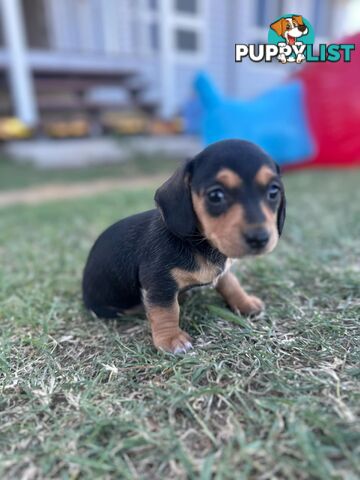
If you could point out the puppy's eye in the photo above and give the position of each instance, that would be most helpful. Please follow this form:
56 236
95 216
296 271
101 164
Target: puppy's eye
273 191
216 195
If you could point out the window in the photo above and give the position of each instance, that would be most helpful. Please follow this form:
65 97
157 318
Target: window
186 40
152 4
35 23
135 35
267 12
260 13
1 31
154 36
186 6
323 12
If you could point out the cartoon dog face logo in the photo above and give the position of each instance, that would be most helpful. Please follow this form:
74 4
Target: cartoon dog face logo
291 29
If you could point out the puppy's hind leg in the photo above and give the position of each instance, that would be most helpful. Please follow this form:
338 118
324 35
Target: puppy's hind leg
235 296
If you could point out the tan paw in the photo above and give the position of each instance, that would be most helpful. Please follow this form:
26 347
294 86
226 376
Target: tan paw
178 343
250 306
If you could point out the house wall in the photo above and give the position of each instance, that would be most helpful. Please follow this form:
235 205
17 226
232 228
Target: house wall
229 22
220 50
140 36
247 21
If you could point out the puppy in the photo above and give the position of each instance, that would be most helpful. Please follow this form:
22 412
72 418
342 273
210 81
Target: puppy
225 203
291 29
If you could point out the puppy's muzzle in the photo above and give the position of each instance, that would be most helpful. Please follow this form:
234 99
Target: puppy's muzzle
256 238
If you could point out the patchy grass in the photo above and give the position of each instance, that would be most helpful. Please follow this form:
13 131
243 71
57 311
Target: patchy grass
15 175
276 397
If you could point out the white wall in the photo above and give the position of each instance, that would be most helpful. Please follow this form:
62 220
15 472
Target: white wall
352 17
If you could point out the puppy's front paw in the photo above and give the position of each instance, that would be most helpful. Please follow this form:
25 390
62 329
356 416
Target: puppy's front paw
250 305
178 343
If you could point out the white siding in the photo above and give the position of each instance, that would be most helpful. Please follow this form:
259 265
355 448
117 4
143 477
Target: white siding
114 36
184 89
220 51
251 79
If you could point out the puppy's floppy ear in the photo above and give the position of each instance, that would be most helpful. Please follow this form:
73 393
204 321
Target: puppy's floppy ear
282 207
279 26
173 199
298 19
281 212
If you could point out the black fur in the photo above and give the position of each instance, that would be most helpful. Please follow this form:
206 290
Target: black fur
175 196
281 213
282 207
138 252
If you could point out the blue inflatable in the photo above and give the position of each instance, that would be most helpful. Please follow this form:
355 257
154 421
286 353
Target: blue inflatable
275 120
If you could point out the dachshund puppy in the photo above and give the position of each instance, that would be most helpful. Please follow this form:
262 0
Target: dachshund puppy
225 203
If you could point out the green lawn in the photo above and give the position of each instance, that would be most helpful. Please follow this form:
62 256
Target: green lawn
82 398
22 175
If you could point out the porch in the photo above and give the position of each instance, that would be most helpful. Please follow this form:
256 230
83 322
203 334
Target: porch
58 59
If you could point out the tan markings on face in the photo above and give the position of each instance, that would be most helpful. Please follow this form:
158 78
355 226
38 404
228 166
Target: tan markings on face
264 175
206 273
224 231
271 226
228 178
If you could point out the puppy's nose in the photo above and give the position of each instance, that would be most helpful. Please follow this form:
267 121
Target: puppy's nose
256 238
302 28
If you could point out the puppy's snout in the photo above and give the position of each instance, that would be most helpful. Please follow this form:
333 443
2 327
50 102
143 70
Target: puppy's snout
302 28
257 238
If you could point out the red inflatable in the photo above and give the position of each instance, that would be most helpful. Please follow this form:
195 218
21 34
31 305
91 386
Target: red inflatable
332 101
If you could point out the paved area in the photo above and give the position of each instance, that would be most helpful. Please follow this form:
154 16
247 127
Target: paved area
46 153
51 192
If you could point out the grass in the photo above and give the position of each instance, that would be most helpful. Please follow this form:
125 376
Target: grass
22 175
273 398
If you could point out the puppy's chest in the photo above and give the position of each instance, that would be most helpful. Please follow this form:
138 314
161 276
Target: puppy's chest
205 273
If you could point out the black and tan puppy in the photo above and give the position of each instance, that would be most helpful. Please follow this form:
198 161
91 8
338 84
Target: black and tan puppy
224 204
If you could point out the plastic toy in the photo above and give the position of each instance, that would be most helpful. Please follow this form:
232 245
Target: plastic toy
262 121
332 100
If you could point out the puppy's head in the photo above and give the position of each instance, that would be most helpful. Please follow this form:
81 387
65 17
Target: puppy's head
290 28
232 194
